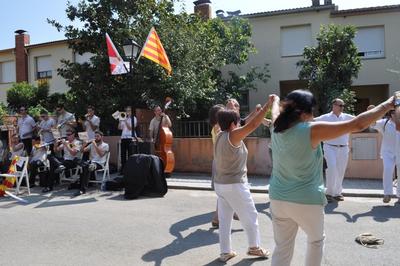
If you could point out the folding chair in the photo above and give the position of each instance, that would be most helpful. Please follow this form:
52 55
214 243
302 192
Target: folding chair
20 175
105 168
74 174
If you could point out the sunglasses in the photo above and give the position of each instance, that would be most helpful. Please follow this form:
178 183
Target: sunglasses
340 105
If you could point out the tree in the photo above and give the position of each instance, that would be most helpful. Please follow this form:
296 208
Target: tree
330 66
26 94
196 48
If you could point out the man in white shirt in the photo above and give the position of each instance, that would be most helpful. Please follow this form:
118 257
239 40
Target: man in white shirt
98 151
336 153
45 126
65 120
92 122
155 123
127 135
26 126
72 157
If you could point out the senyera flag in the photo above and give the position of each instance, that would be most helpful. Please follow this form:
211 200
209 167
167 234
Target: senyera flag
154 51
117 66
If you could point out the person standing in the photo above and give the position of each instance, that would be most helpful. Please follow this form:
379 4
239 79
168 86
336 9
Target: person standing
296 187
65 120
230 181
45 126
92 122
155 123
26 126
387 128
127 135
336 152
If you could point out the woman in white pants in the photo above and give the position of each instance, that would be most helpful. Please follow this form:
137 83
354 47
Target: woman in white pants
387 128
296 187
230 181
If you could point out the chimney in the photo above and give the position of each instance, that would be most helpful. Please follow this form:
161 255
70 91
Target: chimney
203 8
327 2
315 2
21 57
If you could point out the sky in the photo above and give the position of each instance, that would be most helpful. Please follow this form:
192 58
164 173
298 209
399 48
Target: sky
31 15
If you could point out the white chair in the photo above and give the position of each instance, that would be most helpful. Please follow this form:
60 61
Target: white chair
74 174
20 175
105 168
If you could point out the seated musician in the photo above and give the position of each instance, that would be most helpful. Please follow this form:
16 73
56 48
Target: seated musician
155 123
37 159
16 149
71 148
98 152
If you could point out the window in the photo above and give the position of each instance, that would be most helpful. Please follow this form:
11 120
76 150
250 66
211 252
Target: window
370 42
83 58
294 39
43 67
7 72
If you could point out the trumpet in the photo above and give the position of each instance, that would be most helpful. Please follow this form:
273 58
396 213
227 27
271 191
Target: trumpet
68 119
122 116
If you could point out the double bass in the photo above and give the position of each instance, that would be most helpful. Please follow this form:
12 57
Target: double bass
163 143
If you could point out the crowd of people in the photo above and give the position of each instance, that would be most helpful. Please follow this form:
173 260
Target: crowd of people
53 147
297 191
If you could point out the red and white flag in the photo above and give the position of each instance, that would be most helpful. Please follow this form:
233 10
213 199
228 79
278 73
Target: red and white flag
117 66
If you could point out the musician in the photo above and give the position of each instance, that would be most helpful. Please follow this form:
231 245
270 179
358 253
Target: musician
37 159
128 133
26 126
155 122
65 120
92 122
98 151
45 126
16 149
72 154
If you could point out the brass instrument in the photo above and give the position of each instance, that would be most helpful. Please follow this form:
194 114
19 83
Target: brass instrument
68 119
122 116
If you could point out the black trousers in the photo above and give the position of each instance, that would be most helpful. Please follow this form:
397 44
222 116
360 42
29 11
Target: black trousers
126 151
55 162
27 145
33 170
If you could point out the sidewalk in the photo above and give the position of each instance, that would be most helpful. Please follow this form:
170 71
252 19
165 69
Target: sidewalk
260 184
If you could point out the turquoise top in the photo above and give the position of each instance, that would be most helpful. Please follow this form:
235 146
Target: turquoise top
297 167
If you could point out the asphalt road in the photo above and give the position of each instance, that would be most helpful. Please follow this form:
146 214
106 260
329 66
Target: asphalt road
104 229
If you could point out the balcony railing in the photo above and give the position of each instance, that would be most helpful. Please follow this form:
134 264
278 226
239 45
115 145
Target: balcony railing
196 129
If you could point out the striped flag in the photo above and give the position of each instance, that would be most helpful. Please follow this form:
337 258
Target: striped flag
117 66
154 51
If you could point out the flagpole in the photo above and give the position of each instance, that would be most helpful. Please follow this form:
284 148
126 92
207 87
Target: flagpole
144 45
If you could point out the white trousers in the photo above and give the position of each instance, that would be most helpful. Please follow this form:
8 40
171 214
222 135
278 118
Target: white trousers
336 160
236 198
389 162
287 217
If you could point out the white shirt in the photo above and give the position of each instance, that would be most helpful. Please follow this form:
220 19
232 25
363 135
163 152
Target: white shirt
127 133
388 131
25 127
77 146
95 157
96 122
63 119
38 154
331 117
47 135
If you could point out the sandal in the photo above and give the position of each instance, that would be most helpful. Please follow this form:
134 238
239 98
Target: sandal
215 223
258 252
224 257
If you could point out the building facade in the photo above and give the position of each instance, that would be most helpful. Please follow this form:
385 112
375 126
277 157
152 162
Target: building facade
280 37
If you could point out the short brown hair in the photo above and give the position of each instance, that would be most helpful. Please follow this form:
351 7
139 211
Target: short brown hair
226 117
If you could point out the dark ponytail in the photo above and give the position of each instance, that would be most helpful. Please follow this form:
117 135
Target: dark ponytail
294 105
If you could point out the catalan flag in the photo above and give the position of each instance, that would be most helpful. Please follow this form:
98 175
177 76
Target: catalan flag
154 51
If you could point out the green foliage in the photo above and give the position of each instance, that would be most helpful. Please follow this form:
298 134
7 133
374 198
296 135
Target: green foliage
26 94
196 48
34 111
3 111
349 98
330 66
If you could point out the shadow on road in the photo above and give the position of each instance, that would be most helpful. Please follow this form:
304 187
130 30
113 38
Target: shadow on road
330 209
263 207
382 213
196 239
